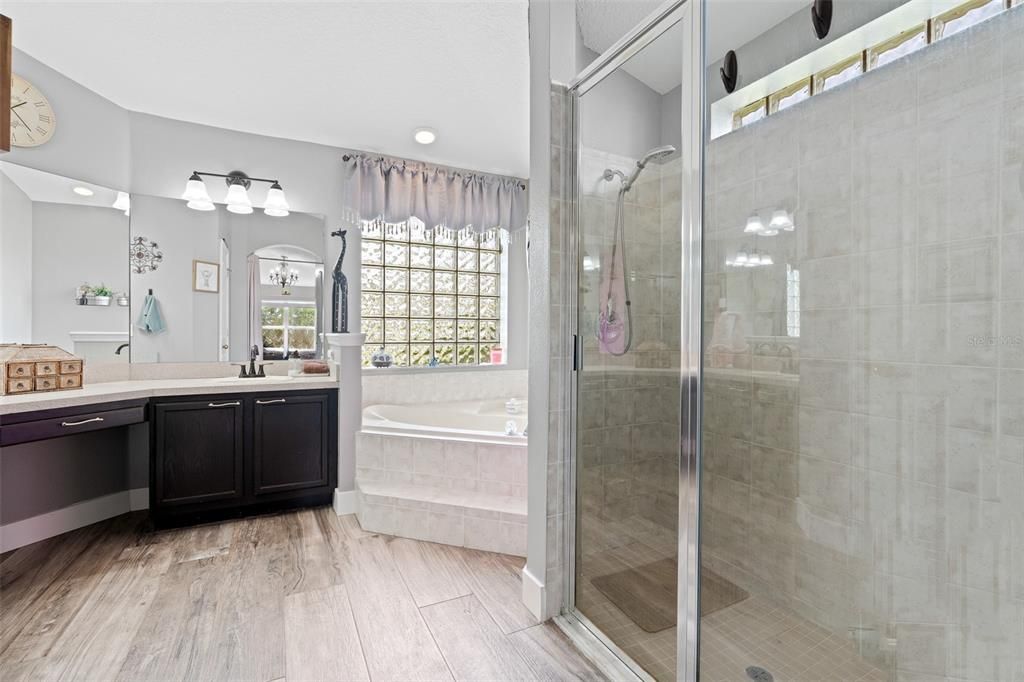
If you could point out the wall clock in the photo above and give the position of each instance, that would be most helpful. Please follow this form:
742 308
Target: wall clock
32 117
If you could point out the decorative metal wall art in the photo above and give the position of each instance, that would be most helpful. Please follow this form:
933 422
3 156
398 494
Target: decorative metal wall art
144 255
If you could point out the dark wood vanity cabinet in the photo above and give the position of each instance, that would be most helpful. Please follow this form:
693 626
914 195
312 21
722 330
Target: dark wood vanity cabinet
220 456
289 443
198 452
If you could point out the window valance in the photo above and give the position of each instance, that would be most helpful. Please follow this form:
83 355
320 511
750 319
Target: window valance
393 191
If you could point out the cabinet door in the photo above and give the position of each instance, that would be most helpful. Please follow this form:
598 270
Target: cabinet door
290 446
198 451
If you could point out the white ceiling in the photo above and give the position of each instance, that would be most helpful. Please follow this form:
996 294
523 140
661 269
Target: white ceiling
346 73
55 189
730 24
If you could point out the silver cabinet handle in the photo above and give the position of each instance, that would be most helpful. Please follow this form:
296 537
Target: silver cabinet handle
270 402
231 404
84 421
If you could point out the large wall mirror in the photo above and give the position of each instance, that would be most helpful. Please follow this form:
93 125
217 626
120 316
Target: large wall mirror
210 286
64 275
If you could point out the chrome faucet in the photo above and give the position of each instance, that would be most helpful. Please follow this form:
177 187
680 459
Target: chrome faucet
120 348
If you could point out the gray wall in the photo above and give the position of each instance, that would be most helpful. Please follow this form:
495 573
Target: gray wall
73 244
787 41
92 138
622 116
191 316
15 262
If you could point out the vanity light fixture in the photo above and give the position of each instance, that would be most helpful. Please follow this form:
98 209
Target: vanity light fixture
754 225
196 195
237 199
276 205
425 135
122 203
781 221
82 191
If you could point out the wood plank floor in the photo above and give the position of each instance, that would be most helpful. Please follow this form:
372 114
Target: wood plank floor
305 595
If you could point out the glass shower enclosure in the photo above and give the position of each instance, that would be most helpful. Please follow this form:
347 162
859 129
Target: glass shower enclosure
636 261
799 339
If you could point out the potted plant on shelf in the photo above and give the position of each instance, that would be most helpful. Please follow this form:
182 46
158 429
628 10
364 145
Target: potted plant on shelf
101 294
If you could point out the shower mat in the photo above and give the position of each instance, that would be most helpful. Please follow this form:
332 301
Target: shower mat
647 593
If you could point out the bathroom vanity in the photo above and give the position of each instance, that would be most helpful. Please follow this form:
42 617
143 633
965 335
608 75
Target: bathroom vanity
217 447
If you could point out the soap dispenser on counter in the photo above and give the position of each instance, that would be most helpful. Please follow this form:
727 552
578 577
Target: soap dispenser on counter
294 364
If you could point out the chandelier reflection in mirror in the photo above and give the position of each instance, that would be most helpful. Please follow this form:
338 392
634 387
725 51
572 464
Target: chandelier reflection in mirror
284 276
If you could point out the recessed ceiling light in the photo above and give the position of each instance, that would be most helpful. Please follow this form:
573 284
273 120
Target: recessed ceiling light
425 135
83 191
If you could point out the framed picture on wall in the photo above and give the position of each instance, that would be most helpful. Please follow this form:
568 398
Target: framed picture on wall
205 276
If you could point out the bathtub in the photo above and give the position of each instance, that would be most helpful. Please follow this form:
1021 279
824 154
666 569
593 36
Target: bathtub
477 420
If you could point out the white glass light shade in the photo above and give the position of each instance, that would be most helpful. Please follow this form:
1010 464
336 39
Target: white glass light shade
122 202
754 225
767 259
781 221
237 199
201 205
195 191
276 205
741 258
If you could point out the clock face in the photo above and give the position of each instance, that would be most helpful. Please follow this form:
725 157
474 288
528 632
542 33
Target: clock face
32 119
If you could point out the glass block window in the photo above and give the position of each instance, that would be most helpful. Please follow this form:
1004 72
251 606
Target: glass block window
291 327
898 46
840 73
792 301
754 111
964 16
788 96
430 294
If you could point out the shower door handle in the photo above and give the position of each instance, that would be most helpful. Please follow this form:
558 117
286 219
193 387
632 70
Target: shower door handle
577 352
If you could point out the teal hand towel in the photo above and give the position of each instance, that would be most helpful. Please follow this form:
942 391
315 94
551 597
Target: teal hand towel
151 320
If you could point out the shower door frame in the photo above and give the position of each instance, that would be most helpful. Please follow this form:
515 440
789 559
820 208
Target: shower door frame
691 14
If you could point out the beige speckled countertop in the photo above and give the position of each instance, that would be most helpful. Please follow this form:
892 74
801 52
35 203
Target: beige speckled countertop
111 391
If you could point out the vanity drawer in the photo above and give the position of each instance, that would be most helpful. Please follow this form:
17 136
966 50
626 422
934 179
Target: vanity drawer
69 381
19 385
55 427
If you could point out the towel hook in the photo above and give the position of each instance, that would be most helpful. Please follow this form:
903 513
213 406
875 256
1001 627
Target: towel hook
729 71
821 17
150 292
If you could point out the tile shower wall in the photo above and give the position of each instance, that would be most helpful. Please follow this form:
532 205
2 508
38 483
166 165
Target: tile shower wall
870 476
629 406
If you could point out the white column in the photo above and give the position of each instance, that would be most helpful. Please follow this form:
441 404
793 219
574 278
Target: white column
345 350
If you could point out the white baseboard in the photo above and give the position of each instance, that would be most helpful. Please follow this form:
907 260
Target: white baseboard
533 594
345 502
36 528
138 498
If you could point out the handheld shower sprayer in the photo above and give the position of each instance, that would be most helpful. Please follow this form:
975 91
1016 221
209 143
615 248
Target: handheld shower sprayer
615 326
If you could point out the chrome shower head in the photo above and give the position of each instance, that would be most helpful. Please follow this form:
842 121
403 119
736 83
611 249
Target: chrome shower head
656 153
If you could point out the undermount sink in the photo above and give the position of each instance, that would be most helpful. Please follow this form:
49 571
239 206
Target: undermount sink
252 380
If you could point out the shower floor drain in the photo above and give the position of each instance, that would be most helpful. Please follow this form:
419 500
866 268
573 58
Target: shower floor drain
759 674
